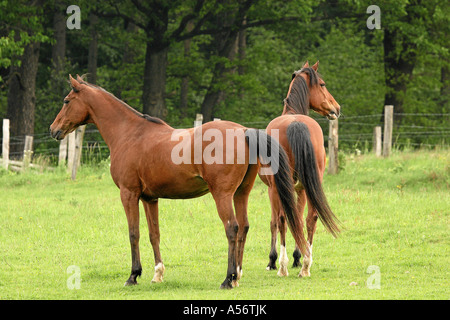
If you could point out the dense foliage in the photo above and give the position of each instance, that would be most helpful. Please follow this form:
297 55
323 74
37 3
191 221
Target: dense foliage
231 59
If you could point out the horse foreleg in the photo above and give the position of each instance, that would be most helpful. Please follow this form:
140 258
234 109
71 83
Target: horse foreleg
151 213
130 202
275 208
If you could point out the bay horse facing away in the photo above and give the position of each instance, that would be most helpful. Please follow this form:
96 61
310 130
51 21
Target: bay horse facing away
142 166
302 138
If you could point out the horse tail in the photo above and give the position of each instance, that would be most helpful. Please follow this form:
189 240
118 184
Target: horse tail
299 140
279 166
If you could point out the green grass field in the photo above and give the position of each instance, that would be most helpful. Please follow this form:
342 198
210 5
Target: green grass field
395 212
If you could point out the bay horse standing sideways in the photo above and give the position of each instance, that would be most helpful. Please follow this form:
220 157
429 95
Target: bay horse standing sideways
143 167
302 138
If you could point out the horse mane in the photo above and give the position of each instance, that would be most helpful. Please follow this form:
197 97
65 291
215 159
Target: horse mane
298 96
145 116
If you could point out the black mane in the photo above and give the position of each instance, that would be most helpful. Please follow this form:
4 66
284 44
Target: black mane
298 98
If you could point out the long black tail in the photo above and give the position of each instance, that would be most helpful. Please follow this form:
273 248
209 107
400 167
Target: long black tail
306 170
268 151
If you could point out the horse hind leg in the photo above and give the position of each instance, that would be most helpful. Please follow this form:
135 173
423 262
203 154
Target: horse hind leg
151 213
224 204
275 208
284 260
240 206
311 225
301 203
273 255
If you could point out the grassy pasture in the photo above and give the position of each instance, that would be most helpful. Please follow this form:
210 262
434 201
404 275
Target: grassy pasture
395 212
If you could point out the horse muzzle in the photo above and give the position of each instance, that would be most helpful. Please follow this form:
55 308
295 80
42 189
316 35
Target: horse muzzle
332 115
57 134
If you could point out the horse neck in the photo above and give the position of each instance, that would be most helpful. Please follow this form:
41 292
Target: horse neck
114 120
287 110
297 94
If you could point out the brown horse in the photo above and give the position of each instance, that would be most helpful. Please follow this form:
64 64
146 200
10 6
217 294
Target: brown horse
302 138
146 164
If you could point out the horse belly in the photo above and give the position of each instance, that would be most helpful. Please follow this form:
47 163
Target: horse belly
178 188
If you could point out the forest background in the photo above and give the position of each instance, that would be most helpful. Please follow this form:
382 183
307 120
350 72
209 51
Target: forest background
231 60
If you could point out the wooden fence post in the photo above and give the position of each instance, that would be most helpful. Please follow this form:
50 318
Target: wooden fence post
62 152
27 152
78 148
333 164
198 120
5 143
70 150
388 124
377 141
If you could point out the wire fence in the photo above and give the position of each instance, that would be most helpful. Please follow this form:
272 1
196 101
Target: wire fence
356 132
416 130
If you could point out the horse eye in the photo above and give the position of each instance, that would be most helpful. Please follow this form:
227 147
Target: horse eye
66 101
322 84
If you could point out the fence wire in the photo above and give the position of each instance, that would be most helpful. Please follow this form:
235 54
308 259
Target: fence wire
355 132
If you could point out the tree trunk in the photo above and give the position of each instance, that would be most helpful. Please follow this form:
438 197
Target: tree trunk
128 56
185 79
154 90
93 49
445 89
21 97
226 45
59 48
214 95
398 69
242 46
58 85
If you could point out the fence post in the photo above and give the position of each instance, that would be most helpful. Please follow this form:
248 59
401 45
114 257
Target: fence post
377 141
70 150
5 143
27 152
198 120
62 152
78 148
388 124
333 147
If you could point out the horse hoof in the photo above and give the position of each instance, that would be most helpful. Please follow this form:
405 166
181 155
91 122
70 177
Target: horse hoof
304 274
157 280
159 272
271 267
227 285
130 283
283 272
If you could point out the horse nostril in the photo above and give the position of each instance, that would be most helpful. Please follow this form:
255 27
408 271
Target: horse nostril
55 134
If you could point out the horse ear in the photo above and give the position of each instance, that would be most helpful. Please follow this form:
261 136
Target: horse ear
316 66
79 79
76 86
306 65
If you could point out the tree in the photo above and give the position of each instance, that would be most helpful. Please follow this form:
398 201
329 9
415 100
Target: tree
408 34
27 29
